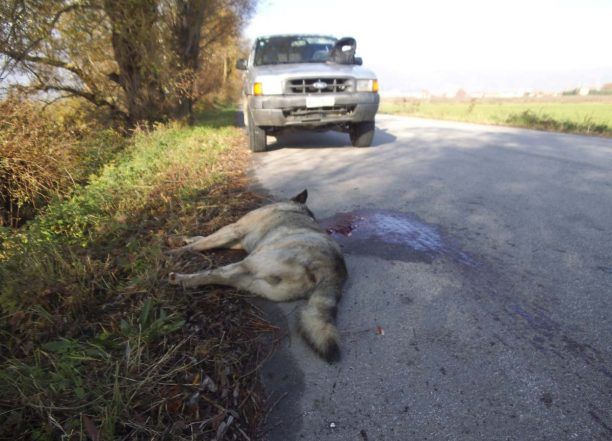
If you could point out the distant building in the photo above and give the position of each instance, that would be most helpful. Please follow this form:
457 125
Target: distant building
446 92
461 94
583 91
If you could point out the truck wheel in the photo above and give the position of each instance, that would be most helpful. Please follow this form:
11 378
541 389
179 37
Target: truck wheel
362 133
257 137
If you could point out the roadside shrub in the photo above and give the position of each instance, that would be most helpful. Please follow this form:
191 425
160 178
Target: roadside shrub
44 154
36 156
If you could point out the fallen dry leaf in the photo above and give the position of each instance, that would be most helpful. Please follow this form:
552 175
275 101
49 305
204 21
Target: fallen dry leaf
90 428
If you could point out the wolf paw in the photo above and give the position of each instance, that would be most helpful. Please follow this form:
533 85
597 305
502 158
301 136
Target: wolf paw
176 241
173 279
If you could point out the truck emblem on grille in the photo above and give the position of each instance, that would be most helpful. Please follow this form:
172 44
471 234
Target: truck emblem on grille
320 85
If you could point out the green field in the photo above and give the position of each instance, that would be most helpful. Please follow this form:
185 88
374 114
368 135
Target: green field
587 116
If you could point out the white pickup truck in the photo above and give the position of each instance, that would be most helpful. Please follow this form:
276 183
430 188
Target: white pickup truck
307 81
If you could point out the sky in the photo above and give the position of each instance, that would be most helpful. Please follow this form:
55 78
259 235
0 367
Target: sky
477 45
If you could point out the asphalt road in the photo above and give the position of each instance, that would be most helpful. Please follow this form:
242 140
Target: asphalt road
507 336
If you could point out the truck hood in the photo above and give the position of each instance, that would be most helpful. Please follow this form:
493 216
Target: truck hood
295 70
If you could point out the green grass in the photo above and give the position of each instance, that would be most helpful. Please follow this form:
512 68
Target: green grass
93 342
570 115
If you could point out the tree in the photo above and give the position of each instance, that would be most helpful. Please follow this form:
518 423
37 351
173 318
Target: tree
137 58
136 48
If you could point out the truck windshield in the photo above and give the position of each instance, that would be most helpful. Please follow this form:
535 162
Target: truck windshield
293 49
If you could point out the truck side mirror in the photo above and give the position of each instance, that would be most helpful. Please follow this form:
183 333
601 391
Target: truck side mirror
343 51
358 61
241 64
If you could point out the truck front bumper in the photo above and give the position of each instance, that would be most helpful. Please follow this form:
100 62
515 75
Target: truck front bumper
292 110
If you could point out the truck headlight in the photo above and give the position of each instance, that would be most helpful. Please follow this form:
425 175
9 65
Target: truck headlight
367 85
267 86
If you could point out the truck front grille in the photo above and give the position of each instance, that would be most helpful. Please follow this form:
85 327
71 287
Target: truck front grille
319 85
317 113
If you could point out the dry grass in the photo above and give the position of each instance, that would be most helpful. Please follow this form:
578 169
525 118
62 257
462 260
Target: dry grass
95 344
36 156
43 156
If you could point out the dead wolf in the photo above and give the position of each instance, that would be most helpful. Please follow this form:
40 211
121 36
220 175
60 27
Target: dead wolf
290 257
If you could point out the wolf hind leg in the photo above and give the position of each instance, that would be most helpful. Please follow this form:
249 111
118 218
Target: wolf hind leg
235 274
284 284
280 284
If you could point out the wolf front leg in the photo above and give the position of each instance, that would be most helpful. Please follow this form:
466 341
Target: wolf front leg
229 236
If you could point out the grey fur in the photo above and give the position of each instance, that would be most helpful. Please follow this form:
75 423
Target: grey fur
290 257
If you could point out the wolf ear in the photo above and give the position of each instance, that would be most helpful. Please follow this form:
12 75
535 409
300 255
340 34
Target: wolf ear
301 198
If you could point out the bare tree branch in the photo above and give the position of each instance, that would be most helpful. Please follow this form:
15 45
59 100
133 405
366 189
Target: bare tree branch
23 57
91 97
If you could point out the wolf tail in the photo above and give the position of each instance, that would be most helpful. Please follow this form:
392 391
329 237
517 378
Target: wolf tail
316 322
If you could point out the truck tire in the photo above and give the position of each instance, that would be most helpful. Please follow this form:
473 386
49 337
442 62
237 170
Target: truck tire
257 137
362 133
